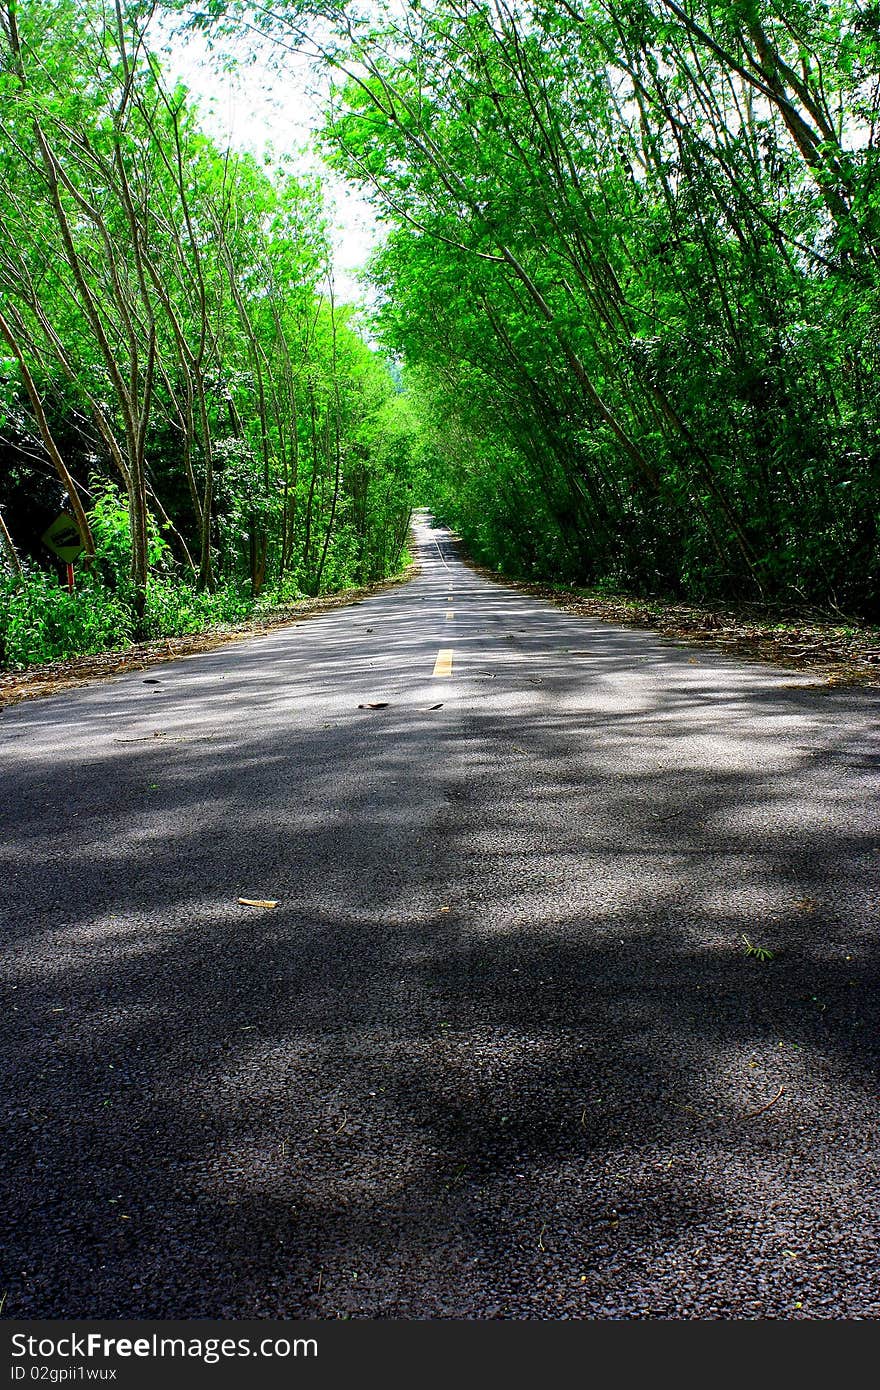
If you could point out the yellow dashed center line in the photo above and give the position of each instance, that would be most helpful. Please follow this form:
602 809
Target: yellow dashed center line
443 664
449 614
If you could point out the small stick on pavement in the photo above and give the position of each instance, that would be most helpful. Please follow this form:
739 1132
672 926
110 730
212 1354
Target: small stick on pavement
750 1114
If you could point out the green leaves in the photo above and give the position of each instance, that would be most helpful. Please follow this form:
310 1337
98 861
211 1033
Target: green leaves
759 953
630 246
172 314
41 621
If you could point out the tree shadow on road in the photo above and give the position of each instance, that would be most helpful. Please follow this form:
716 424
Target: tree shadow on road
501 1049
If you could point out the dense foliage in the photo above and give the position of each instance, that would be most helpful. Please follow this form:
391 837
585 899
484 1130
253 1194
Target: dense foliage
175 370
633 271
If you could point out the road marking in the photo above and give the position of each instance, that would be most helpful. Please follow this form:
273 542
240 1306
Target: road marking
449 614
443 664
440 552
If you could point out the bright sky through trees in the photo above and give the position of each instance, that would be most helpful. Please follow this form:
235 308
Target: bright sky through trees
261 104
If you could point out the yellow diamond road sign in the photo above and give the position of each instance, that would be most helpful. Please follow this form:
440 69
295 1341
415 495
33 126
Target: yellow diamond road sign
63 538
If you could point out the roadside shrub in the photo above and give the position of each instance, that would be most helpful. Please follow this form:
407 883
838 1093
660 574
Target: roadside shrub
41 621
109 521
175 608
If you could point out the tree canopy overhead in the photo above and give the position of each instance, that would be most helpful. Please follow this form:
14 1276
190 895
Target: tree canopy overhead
632 268
629 286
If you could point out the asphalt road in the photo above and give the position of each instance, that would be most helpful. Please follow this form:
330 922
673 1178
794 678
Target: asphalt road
500 1049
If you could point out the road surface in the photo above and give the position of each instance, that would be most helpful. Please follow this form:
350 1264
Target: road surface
500 1049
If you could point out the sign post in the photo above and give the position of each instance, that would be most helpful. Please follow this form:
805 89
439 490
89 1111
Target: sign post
64 540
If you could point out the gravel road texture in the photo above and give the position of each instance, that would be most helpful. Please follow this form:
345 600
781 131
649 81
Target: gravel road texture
510 1043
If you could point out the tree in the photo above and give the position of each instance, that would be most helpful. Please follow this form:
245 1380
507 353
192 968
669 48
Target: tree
643 236
169 311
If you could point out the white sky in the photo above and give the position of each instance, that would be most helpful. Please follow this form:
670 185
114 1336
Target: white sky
257 106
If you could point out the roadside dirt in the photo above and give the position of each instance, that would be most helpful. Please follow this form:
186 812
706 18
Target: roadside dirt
845 654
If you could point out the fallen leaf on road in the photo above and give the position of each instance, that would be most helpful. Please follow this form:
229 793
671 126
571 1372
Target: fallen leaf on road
259 902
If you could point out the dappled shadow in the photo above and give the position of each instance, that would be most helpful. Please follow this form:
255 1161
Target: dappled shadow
500 1048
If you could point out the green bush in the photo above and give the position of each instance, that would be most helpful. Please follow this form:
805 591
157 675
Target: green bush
109 521
41 621
175 608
